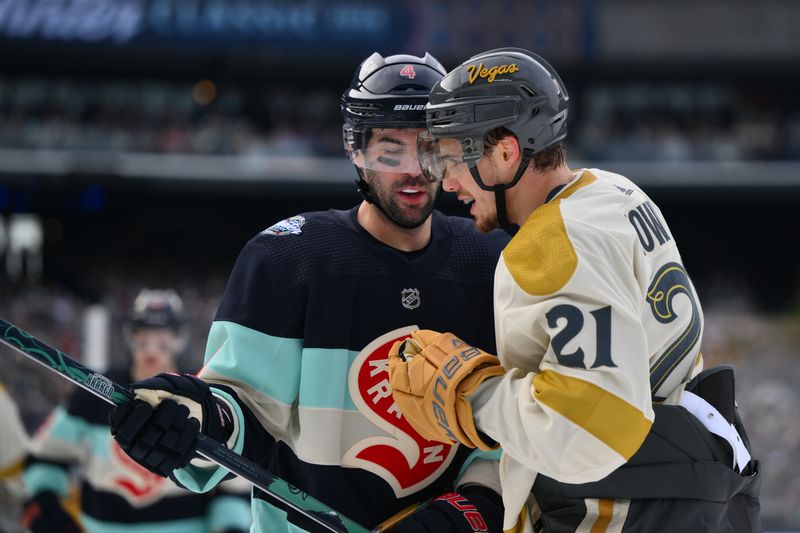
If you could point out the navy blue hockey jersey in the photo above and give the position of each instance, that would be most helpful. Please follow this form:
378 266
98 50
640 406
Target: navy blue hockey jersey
300 345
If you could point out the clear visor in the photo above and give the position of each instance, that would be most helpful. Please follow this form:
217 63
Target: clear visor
392 150
446 156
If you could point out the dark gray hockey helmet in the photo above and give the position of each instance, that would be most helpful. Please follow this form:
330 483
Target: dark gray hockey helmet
506 87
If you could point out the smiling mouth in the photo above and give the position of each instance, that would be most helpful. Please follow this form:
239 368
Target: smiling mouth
411 192
467 201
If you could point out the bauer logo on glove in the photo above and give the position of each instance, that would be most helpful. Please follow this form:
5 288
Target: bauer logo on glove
432 376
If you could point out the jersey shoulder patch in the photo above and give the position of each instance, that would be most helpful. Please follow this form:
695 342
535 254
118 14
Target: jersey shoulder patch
311 245
290 226
541 257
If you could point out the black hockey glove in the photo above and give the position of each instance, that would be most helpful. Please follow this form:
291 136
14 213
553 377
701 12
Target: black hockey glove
473 509
44 514
164 438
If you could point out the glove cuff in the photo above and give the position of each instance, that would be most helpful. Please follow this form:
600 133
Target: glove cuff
215 416
464 513
463 408
222 423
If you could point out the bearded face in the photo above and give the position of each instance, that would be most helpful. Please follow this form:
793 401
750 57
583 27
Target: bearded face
395 178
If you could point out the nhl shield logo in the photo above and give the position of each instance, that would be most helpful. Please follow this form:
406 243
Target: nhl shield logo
410 298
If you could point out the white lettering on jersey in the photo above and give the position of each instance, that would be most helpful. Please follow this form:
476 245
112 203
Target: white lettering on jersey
380 391
405 460
433 454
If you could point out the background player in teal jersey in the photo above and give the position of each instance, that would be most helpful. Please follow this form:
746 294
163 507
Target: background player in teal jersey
115 493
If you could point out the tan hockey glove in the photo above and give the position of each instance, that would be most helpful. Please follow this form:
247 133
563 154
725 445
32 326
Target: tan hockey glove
432 376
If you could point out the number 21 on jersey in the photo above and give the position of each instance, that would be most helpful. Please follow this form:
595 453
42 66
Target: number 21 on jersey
669 281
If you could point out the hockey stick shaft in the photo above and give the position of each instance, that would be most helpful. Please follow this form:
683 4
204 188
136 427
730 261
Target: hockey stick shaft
113 393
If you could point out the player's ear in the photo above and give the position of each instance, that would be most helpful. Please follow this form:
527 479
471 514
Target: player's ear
509 151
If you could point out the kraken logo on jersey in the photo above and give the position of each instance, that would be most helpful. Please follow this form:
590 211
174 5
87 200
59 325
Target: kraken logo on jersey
405 460
289 226
138 486
410 298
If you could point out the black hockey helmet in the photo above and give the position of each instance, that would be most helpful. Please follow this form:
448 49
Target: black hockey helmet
156 309
506 87
388 92
391 91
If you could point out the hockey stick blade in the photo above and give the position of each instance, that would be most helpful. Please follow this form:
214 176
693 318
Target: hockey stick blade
113 393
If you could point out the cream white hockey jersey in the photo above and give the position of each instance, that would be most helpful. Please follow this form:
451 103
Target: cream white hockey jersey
596 318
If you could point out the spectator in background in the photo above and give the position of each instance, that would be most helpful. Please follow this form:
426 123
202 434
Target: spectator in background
115 491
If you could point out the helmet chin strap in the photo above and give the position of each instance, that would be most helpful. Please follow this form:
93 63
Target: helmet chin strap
364 188
500 190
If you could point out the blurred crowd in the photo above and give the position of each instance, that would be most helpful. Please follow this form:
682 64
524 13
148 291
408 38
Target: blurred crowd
762 348
162 117
56 316
685 122
656 121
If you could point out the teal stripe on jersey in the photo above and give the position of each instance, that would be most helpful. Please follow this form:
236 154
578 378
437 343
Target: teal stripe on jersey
40 477
324 383
77 432
198 479
490 455
100 440
267 517
66 427
192 525
269 364
229 512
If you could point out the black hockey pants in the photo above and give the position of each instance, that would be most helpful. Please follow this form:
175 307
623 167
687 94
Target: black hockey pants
680 480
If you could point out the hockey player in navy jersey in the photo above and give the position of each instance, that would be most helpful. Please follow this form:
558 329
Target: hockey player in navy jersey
115 493
295 374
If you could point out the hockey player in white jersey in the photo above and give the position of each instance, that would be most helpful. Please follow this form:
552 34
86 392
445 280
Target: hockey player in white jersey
605 416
